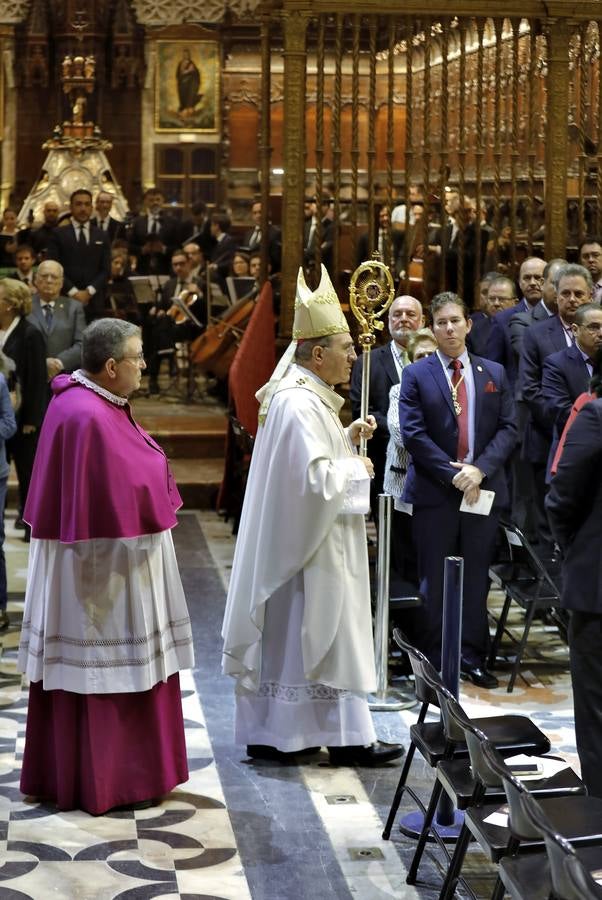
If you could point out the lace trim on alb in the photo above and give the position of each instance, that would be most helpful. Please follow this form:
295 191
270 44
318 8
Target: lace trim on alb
79 376
289 693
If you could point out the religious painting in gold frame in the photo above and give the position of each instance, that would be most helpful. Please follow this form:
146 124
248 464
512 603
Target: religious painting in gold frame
187 86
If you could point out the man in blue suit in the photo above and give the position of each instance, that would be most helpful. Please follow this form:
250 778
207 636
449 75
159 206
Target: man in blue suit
573 289
499 347
457 420
567 374
499 294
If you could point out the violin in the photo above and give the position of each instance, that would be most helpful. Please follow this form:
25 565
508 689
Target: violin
180 309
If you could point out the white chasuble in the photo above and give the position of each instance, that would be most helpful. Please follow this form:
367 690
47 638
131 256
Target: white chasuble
301 526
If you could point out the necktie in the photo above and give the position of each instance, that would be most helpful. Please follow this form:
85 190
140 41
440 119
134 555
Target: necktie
82 235
460 401
153 228
48 314
255 237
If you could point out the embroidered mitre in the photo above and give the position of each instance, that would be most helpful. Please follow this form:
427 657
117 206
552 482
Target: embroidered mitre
317 313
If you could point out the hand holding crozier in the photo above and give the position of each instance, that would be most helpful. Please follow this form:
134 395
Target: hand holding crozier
361 428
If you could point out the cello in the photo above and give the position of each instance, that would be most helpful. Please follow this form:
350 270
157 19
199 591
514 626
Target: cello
214 350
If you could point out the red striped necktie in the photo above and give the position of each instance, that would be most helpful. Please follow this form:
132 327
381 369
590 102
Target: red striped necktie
460 401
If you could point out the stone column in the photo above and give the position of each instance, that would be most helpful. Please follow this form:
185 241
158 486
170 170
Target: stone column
8 136
558 33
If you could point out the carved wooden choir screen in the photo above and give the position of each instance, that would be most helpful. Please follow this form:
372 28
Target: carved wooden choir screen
374 105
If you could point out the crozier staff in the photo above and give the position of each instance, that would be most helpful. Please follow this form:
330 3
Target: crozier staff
297 629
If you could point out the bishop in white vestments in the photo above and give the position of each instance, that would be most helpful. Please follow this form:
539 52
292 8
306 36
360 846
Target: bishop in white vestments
297 629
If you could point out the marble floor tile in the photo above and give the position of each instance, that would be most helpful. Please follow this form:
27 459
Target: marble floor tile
237 830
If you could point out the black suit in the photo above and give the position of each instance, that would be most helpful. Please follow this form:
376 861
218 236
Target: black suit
18 277
574 507
478 335
309 243
452 254
39 238
189 233
395 247
151 260
27 347
221 257
383 375
540 341
114 229
274 245
522 320
565 377
85 264
161 332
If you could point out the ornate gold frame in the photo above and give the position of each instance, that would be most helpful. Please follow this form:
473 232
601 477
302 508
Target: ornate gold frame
165 49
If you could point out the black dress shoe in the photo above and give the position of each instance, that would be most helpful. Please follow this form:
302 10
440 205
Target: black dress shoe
264 751
376 754
479 676
19 523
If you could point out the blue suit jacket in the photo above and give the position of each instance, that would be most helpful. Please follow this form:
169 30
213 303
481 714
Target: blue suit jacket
540 341
430 430
499 348
476 340
565 376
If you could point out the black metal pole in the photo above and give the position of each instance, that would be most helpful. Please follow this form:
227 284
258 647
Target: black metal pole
451 637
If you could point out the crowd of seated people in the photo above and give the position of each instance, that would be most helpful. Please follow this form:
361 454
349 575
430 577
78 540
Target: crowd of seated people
126 268
72 266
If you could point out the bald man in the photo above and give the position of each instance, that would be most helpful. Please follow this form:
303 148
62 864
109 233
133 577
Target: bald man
39 237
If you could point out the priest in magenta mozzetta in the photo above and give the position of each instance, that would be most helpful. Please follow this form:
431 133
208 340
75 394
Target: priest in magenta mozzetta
105 627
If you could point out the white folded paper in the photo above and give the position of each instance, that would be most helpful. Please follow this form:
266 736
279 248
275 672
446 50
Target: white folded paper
483 505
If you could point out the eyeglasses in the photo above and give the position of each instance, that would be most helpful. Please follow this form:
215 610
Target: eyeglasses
139 358
593 327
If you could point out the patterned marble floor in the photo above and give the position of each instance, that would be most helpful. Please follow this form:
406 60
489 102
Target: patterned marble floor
236 829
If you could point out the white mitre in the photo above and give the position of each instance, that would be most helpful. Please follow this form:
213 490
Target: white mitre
317 314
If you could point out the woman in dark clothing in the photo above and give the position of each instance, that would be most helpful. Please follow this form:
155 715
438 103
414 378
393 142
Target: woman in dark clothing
24 350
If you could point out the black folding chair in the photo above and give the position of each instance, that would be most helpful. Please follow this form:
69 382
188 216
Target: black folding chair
583 884
516 734
529 581
511 735
577 818
520 874
496 839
